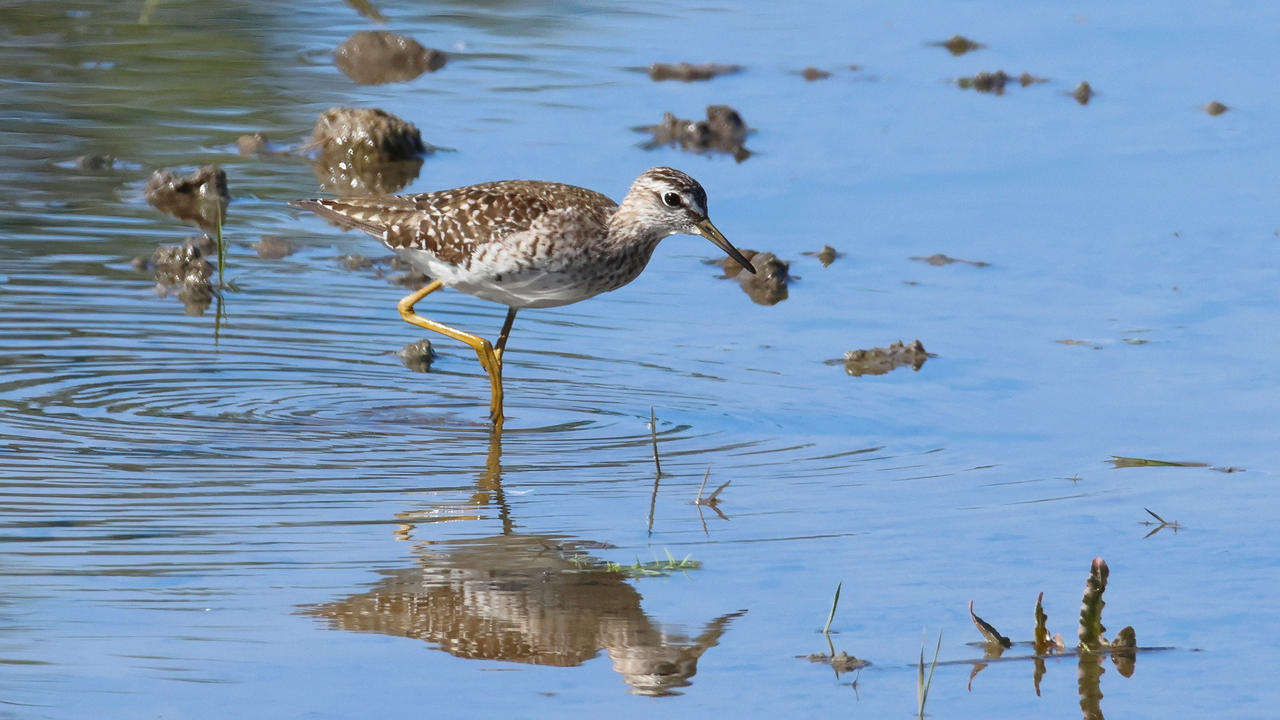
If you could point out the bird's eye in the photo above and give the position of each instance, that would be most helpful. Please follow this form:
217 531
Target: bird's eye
672 200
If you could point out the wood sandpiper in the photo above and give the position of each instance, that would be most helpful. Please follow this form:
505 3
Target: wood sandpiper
527 243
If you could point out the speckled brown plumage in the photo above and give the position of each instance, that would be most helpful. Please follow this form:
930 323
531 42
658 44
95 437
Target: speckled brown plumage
528 243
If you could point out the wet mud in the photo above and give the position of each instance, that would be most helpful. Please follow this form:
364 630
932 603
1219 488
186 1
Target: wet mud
1215 108
723 131
812 73
378 57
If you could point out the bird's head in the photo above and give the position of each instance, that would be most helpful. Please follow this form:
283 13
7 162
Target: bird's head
671 202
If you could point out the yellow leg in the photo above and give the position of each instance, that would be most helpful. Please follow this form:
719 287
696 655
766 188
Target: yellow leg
484 350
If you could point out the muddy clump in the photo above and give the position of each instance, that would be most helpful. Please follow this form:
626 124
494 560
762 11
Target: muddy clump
826 255
995 82
95 162
377 57
183 271
275 247
878 361
689 72
252 144
1083 93
417 356
768 285
1216 108
958 45
723 131
355 262
200 198
408 275
812 73
364 151
939 259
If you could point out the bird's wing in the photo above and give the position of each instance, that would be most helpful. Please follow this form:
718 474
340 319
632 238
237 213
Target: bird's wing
452 224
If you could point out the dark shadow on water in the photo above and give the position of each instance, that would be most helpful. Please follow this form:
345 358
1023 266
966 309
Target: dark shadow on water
529 598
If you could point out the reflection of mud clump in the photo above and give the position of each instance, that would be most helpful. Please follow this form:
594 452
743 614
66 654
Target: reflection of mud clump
1083 93
768 286
200 198
958 45
688 72
376 57
182 270
722 131
365 151
878 361
994 82
813 73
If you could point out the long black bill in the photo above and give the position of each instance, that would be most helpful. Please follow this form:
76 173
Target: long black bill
709 231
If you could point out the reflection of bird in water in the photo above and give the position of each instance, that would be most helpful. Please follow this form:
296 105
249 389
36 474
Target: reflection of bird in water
526 599
527 243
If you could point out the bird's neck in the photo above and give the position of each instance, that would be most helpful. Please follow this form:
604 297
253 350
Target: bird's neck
628 229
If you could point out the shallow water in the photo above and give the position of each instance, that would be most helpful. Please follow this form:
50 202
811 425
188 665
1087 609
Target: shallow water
258 511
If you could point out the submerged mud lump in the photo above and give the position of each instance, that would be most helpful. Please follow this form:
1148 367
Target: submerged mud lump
1216 108
365 151
722 131
377 57
878 361
940 259
274 247
689 72
812 73
199 198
